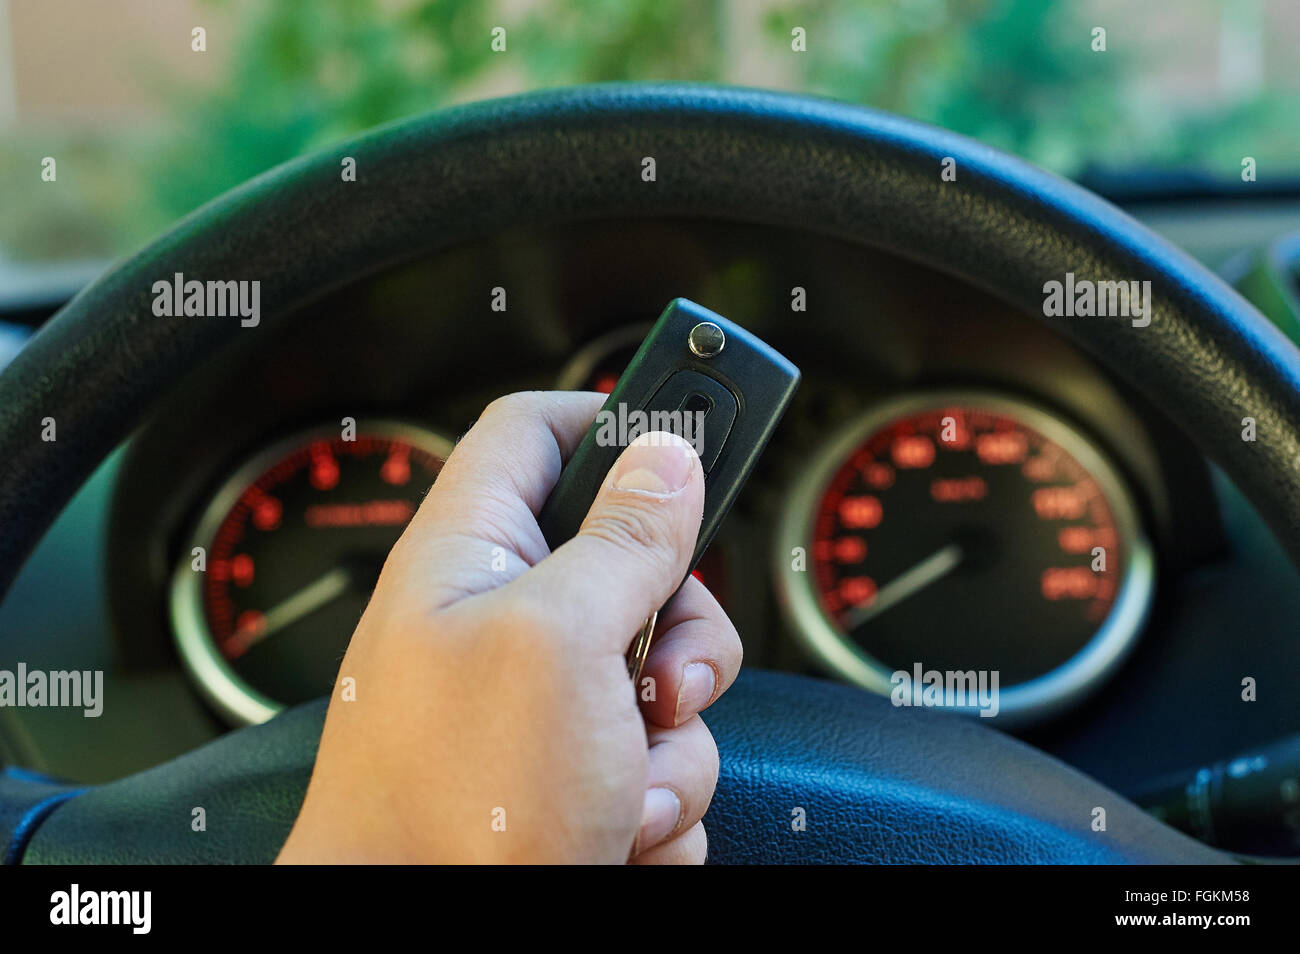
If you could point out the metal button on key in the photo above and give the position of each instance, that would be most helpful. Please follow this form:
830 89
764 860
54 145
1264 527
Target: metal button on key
706 340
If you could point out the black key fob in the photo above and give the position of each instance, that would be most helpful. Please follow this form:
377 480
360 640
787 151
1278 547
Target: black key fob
705 379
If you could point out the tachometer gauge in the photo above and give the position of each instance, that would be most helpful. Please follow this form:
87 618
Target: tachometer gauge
960 532
283 560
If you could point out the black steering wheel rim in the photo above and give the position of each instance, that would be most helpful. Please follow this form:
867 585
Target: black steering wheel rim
1207 359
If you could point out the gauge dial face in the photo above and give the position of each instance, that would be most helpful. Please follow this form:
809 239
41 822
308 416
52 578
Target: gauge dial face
968 532
292 547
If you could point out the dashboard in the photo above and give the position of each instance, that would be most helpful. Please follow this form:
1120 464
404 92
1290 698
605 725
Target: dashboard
955 487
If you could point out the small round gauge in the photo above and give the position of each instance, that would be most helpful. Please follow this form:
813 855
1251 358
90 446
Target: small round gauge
283 560
962 531
600 363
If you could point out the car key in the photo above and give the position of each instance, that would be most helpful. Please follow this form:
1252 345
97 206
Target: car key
707 380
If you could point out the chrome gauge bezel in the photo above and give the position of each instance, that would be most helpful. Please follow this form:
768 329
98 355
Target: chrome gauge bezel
578 370
1026 702
216 680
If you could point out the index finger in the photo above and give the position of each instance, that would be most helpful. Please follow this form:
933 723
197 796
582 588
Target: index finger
477 528
506 465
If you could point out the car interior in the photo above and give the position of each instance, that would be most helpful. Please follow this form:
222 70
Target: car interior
870 328
1094 504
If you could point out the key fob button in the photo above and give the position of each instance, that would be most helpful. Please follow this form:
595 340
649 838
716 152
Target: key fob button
704 411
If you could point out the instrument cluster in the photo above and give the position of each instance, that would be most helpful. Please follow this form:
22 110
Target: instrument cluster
966 530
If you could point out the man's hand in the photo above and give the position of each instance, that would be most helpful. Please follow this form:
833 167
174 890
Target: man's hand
493 718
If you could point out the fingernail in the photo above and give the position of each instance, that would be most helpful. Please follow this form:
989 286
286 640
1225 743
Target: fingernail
654 463
698 683
659 816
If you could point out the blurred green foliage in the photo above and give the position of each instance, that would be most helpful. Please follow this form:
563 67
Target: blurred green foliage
1018 74
310 73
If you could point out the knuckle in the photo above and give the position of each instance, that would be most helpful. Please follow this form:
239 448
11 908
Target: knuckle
503 403
510 405
640 528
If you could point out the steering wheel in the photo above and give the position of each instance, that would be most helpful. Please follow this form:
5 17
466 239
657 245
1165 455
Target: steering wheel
875 783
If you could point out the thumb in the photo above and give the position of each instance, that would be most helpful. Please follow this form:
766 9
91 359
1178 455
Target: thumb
634 548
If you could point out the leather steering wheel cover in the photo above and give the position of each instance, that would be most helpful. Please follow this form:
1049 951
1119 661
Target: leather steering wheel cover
1207 359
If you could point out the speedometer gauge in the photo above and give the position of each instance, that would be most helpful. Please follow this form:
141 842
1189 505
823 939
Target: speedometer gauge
966 531
284 557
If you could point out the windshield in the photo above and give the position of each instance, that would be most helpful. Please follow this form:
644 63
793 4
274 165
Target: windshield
119 116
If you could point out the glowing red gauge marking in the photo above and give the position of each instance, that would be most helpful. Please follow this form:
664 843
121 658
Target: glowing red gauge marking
879 476
959 489
241 570
850 550
913 452
267 513
861 512
857 590
1002 447
1069 583
374 513
324 468
1059 503
1039 469
396 469
1083 539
